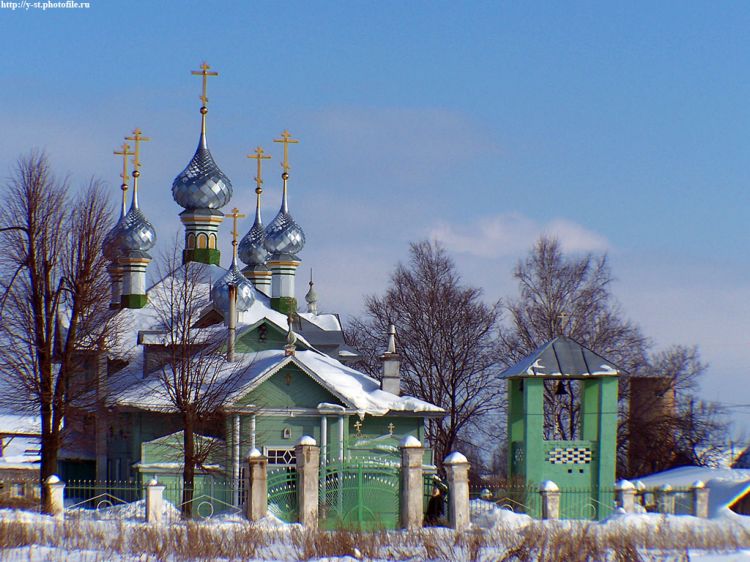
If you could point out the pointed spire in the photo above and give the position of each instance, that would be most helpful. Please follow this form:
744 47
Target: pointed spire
311 297
286 139
125 152
391 339
137 138
235 215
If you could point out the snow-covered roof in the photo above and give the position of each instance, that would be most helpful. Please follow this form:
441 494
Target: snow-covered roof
726 485
355 389
562 357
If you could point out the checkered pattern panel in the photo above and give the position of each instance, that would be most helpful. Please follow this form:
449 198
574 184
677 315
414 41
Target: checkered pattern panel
569 455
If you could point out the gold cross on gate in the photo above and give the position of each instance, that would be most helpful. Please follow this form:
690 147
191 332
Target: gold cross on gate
205 74
137 138
235 215
259 155
358 428
391 428
124 153
286 139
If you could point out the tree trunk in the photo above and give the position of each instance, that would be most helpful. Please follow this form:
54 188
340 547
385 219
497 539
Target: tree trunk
188 471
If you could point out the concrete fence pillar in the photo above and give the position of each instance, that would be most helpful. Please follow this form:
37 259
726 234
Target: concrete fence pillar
412 492
55 490
664 499
256 504
625 491
457 469
154 501
550 500
308 474
700 499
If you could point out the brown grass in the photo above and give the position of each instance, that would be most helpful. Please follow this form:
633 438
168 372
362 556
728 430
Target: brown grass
544 542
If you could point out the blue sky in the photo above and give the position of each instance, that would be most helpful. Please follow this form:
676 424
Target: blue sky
619 127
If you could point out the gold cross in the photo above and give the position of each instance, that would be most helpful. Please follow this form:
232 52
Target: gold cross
358 428
391 428
259 156
137 138
286 139
235 215
563 316
205 74
125 153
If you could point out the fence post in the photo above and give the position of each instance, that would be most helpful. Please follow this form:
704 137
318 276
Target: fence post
457 468
412 493
55 489
154 501
550 500
308 473
665 499
700 499
256 504
625 496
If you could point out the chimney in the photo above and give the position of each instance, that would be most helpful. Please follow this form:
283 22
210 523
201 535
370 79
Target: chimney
232 321
391 365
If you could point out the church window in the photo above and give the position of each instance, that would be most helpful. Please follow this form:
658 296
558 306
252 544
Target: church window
202 240
287 433
212 241
281 456
190 241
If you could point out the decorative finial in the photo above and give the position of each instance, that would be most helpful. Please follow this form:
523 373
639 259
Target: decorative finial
137 139
235 215
204 97
563 316
392 339
125 176
291 338
286 139
311 297
259 156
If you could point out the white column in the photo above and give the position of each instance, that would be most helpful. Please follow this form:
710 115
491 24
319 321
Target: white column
341 438
236 459
323 440
252 432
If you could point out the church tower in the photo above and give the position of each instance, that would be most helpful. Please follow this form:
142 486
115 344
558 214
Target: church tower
202 190
252 250
284 238
136 239
112 244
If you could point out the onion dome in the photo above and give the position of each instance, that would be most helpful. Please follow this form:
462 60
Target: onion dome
112 243
252 250
137 233
245 291
284 236
202 185
312 298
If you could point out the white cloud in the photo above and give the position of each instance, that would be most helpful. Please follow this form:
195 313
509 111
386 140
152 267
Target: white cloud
511 234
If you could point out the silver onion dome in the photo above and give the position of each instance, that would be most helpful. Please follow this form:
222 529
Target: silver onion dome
252 250
202 185
112 243
245 290
283 235
137 233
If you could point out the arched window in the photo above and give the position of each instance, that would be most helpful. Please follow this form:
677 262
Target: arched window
212 241
202 240
190 241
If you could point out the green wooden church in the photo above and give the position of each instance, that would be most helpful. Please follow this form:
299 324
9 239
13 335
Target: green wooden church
282 373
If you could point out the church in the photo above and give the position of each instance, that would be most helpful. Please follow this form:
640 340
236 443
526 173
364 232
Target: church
274 373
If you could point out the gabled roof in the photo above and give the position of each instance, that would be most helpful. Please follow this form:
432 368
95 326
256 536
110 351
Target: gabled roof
562 357
355 389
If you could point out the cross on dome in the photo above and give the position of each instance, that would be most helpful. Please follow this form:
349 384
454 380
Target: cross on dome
259 156
286 139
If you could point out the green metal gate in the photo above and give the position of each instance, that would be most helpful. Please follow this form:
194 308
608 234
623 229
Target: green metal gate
282 494
359 495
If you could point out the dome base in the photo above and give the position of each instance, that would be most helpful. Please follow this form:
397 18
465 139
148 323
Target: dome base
133 301
284 305
210 256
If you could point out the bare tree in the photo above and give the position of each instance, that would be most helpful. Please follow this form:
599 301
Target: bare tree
195 375
446 338
54 296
